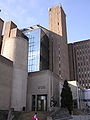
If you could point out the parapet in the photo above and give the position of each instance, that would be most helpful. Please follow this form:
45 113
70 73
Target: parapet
17 33
8 26
6 61
11 30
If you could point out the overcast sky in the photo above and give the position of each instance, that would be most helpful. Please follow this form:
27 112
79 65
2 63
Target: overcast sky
26 13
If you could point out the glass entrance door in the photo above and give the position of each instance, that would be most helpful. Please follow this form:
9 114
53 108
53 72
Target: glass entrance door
42 102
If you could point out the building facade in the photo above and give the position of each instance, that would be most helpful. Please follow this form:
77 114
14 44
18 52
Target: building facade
38 52
15 48
79 62
58 57
40 95
37 62
78 93
48 49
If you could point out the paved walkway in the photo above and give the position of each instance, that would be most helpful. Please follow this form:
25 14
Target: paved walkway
80 117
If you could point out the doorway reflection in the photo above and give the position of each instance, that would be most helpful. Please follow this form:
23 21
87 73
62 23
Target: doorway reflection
41 102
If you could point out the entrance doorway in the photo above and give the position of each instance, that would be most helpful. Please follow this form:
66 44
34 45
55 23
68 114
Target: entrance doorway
41 102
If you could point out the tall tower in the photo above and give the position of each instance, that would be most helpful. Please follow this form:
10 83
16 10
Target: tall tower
15 48
58 58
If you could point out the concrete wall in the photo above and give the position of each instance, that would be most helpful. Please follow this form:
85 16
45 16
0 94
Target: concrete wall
71 62
6 72
1 28
77 93
8 26
87 97
42 83
15 48
74 89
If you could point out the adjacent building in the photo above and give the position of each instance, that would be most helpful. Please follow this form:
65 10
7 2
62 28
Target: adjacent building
87 97
78 93
79 62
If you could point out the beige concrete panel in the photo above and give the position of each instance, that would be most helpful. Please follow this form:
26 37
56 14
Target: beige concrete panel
8 26
6 72
19 88
16 49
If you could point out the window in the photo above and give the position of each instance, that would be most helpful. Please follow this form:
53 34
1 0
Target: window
85 75
86 87
79 76
33 102
34 50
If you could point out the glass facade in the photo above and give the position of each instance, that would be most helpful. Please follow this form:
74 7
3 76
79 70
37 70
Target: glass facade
34 50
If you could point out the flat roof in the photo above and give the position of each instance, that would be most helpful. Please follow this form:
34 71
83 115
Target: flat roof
32 28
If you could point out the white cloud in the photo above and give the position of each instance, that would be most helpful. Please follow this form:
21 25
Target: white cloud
20 11
29 21
10 1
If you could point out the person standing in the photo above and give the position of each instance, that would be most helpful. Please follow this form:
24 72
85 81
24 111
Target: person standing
35 116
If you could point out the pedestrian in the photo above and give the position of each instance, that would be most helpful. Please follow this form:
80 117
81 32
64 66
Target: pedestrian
35 116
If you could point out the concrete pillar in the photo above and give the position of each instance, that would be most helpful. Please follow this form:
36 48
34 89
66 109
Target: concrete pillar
8 26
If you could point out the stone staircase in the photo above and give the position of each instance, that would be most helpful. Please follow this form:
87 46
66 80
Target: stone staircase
29 116
59 114
55 114
4 115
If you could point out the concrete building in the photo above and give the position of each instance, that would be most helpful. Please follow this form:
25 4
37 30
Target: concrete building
40 95
15 48
33 75
87 97
78 93
58 51
79 62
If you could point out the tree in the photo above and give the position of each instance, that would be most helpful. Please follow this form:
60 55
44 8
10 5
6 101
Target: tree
66 97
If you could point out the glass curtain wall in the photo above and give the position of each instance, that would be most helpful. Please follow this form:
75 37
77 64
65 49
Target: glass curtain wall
34 50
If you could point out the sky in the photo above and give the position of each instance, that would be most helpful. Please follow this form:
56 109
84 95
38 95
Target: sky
25 13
